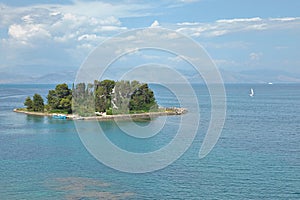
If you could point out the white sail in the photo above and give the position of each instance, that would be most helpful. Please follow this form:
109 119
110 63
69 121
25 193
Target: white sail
251 94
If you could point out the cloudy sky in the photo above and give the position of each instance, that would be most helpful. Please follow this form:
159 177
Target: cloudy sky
48 36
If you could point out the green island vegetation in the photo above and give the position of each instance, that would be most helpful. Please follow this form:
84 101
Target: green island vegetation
106 97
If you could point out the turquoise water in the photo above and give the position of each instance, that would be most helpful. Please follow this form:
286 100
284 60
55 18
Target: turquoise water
257 156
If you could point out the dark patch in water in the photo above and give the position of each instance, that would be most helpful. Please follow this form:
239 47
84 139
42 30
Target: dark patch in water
85 188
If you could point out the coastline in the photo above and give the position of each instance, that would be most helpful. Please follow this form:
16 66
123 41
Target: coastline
147 115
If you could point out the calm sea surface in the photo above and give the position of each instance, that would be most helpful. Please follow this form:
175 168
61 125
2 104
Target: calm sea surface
256 157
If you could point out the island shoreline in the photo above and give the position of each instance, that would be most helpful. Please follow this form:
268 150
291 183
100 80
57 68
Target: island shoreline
123 117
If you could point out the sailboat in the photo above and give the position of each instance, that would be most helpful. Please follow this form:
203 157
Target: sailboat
251 94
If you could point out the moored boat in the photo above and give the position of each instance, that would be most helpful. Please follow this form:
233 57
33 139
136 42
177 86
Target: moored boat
59 116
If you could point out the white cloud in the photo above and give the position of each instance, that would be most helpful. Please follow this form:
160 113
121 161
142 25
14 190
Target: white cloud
27 19
258 27
188 1
255 56
237 20
65 38
69 31
103 9
188 23
53 22
219 32
109 29
87 37
54 13
108 21
285 19
91 37
227 45
154 24
227 26
26 32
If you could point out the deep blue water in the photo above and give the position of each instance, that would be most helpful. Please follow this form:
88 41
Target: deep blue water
257 156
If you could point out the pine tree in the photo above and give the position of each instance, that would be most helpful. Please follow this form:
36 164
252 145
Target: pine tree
38 103
28 103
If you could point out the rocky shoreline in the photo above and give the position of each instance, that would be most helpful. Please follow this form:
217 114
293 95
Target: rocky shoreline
168 111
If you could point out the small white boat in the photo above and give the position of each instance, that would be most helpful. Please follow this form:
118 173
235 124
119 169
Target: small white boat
251 94
59 116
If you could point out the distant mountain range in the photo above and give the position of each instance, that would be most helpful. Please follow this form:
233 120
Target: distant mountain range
260 76
257 76
54 78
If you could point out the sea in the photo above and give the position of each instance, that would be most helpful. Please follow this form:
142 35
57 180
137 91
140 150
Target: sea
257 155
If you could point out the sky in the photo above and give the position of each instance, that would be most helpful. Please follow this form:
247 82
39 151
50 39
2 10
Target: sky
245 39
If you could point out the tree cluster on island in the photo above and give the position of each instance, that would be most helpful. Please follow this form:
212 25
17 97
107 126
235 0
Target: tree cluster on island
107 96
36 105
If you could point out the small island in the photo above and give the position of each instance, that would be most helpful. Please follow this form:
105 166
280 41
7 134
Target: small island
102 100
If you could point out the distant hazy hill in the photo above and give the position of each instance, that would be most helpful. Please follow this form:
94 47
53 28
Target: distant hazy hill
55 78
63 77
12 78
258 76
254 76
